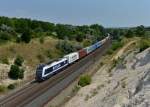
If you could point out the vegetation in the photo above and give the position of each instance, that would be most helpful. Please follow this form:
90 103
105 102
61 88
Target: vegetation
4 60
76 89
26 36
16 72
24 29
144 44
115 45
2 88
11 86
84 80
65 47
19 60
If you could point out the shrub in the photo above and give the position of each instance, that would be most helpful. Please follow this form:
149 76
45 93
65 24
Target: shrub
65 47
4 36
11 86
16 72
19 60
84 80
87 43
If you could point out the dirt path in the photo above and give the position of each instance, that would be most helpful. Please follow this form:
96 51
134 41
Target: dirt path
121 51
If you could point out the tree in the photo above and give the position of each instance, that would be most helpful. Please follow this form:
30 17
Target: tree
65 47
15 72
129 33
26 36
80 37
140 31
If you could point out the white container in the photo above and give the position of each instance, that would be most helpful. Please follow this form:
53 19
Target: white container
72 57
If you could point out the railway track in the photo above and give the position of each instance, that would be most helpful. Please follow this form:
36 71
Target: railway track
38 94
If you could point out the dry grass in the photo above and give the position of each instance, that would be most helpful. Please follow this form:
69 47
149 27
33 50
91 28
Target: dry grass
30 51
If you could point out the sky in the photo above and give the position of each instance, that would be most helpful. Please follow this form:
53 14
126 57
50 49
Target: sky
109 13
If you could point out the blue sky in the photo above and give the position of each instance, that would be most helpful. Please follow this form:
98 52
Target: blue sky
109 13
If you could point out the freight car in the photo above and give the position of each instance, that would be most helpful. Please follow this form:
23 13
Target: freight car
72 57
82 53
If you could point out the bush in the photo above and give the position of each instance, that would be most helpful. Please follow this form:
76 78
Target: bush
65 47
84 80
87 43
16 72
4 36
19 60
11 86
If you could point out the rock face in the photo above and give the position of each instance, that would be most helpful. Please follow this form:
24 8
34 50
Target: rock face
127 86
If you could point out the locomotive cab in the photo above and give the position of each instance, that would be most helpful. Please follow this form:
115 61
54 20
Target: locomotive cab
39 71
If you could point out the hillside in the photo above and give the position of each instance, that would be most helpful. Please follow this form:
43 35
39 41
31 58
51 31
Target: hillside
31 42
120 83
32 53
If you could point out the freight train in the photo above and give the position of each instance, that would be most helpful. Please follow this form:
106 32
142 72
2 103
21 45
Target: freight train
45 71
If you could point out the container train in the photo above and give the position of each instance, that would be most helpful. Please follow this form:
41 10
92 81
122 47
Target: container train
45 71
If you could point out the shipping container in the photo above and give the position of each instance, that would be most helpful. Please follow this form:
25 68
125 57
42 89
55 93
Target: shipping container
98 44
82 53
90 49
72 57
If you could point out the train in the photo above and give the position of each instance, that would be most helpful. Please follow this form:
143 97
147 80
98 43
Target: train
46 71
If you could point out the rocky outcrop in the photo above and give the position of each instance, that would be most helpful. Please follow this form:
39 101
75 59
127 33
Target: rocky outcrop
127 86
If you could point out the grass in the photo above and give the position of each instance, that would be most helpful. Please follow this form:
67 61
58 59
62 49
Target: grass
4 60
144 44
30 51
76 89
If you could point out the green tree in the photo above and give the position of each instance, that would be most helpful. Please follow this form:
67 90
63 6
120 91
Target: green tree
140 31
15 72
26 36
129 33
